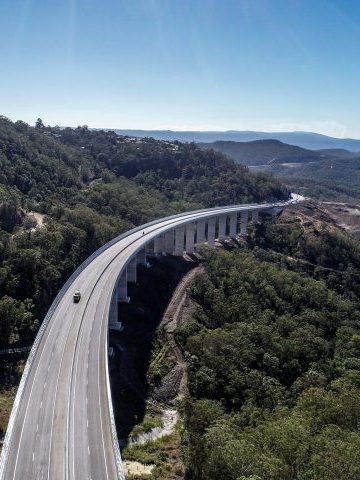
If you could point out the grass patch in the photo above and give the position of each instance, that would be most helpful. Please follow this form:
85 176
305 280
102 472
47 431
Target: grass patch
164 453
146 425
6 402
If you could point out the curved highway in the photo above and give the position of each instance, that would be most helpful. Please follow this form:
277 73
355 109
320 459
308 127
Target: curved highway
62 425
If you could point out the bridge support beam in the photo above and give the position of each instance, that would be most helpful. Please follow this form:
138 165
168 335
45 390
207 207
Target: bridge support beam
141 257
122 295
169 242
233 225
159 244
114 323
222 227
255 216
149 248
200 232
131 271
179 241
189 246
113 314
243 223
211 231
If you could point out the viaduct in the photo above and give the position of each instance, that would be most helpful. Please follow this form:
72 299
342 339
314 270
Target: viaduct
62 422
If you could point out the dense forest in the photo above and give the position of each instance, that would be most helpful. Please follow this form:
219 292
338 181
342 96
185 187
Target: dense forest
274 357
86 187
331 179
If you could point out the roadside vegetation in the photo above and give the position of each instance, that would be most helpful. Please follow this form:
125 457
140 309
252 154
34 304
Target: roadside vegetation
162 454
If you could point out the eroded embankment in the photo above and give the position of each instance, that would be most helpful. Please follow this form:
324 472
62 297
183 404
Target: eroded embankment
148 371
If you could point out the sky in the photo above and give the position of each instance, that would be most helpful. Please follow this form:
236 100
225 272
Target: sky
270 65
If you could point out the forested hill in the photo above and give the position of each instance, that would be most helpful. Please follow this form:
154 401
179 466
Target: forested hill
273 351
267 152
89 186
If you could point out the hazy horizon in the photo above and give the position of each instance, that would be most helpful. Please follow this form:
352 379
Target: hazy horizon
263 65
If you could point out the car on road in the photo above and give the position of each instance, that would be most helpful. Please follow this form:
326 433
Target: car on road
77 296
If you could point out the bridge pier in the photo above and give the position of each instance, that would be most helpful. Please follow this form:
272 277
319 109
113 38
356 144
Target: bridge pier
122 288
179 241
119 295
189 244
255 216
149 248
159 244
169 242
243 223
222 228
131 270
200 232
141 257
211 231
233 225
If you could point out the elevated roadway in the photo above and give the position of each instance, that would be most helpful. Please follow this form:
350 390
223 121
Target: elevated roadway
62 424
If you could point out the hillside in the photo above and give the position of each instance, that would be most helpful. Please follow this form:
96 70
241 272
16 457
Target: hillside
90 186
332 174
274 377
332 179
308 140
265 152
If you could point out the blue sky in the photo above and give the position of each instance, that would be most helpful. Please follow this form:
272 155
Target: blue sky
183 64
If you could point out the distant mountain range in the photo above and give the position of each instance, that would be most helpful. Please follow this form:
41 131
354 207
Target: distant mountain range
308 140
273 152
325 174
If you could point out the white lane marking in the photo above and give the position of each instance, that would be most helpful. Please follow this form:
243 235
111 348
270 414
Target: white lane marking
54 404
33 456
37 427
87 423
72 390
30 394
101 421
89 451
41 404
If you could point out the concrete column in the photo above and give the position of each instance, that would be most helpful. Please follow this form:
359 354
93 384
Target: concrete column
233 225
149 248
179 241
159 244
114 324
113 314
189 247
244 222
131 270
200 232
141 257
211 231
255 216
169 242
122 288
222 227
